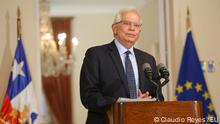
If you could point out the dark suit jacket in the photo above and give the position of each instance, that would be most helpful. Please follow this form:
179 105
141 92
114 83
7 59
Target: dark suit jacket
103 80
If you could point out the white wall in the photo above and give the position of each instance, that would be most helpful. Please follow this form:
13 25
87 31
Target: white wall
30 35
91 30
150 29
206 32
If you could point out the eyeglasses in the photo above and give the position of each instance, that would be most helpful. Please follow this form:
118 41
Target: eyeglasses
128 23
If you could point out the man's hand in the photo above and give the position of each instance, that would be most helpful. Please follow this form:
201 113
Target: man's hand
143 95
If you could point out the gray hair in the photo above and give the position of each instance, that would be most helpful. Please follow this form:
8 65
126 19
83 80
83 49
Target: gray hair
118 16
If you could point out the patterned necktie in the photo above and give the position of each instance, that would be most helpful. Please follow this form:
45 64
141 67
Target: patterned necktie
130 76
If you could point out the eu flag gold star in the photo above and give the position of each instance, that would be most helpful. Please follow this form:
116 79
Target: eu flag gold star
198 87
205 95
179 89
210 107
188 85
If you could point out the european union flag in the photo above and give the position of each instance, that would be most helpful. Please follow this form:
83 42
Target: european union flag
191 83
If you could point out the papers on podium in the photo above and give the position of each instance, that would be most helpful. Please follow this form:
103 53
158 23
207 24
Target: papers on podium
121 99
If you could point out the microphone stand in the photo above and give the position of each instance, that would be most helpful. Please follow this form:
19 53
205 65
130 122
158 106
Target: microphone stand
158 89
159 86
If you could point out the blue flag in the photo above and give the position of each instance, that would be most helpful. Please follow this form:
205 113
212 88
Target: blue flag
19 105
191 83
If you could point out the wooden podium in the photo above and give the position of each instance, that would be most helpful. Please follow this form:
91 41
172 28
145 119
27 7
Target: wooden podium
174 112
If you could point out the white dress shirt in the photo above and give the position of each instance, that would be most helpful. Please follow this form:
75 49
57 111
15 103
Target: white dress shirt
122 50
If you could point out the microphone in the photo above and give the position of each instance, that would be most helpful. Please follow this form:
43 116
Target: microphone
149 75
148 71
164 73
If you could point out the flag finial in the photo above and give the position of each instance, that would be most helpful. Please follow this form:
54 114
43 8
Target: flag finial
188 23
18 22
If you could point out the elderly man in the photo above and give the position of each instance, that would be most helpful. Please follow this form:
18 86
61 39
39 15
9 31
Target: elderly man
114 70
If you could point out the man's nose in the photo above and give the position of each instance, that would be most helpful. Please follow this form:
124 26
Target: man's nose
131 26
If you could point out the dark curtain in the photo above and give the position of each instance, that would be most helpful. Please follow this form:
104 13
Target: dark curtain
58 94
58 89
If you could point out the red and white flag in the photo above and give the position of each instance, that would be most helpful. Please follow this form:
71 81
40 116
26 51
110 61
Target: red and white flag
19 105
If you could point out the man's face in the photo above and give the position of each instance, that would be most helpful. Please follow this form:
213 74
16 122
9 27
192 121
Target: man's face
128 29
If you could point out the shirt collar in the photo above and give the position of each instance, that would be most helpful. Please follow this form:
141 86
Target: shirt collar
122 49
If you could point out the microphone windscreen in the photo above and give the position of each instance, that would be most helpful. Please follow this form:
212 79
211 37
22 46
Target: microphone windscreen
146 66
147 71
161 65
163 71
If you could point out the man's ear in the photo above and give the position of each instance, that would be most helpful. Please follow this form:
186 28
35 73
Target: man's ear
114 29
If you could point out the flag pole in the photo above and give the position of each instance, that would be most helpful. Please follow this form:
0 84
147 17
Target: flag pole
188 22
18 22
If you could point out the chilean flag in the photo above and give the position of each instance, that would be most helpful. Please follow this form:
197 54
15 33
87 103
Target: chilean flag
19 105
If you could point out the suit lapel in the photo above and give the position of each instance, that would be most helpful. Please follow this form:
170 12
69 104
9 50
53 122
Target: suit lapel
118 63
140 72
